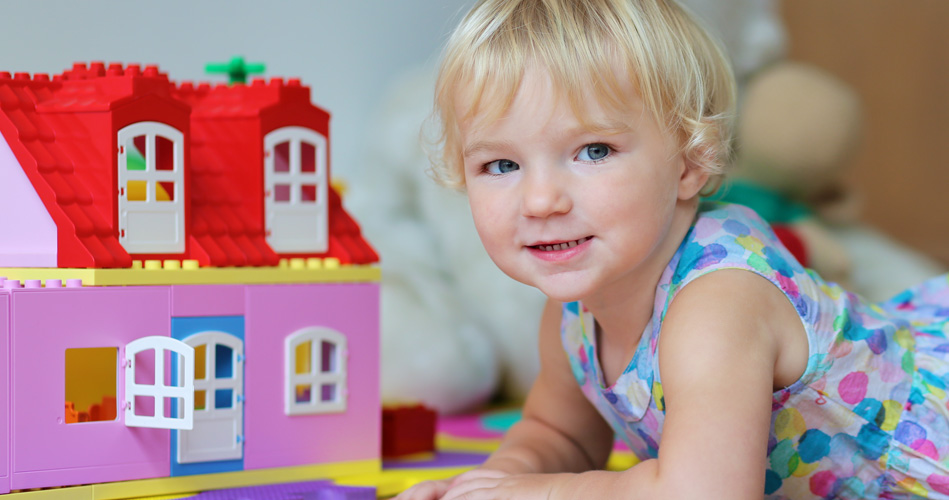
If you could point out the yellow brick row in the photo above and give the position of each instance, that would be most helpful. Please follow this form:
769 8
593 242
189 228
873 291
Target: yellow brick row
186 273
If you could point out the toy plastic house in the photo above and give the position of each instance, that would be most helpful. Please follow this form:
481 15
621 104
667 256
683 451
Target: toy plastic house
183 293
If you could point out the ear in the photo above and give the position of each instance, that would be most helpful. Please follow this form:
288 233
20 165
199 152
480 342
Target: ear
692 178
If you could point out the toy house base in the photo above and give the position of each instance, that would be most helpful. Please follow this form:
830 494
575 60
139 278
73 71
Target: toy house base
196 484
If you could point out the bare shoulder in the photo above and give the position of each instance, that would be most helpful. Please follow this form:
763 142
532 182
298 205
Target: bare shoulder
723 338
745 312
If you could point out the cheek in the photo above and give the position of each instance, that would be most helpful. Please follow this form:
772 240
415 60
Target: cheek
486 216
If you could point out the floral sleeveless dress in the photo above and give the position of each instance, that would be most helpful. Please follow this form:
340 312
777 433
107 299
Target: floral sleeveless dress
868 418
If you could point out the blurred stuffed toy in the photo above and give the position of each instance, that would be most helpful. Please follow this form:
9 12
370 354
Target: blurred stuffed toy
797 130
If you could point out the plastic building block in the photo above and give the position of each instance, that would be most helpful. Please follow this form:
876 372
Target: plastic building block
159 395
168 497
207 300
74 493
392 482
216 442
315 490
290 491
315 372
408 430
236 69
72 416
84 318
340 493
437 459
207 482
280 440
311 272
5 443
30 237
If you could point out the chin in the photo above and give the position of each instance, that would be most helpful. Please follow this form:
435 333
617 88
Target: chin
559 288
562 292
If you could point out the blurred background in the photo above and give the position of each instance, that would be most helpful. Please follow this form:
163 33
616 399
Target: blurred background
897 58
455 332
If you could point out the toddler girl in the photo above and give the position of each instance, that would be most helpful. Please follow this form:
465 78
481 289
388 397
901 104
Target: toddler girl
583 132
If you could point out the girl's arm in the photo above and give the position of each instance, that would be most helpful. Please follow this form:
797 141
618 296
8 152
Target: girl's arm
721 342
559 430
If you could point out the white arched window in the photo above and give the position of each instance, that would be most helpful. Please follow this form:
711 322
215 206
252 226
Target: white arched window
315 364
151 188
295 190
151 400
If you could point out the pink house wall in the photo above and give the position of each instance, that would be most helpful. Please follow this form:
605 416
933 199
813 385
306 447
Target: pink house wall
4 392
272 313
44 323
207 300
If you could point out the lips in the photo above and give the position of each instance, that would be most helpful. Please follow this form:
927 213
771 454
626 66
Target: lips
560 246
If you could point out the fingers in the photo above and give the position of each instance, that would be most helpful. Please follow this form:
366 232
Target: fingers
457 487
427 490
477 474
472 489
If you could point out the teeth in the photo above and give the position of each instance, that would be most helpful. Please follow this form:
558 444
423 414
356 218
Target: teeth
562 246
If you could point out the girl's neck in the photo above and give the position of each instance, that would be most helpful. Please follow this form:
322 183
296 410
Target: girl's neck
623 309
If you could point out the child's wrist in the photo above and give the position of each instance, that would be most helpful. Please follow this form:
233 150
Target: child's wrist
509 465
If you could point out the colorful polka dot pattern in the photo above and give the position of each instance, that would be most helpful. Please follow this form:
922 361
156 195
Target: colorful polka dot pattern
870 416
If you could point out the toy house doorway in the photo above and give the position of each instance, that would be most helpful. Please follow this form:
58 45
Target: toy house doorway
216 443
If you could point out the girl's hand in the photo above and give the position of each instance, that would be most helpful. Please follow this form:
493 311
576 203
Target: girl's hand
426 490
502 486
435 490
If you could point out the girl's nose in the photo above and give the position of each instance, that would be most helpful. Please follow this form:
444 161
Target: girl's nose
545 194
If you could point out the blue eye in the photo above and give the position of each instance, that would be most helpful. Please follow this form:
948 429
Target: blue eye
498 167
594 152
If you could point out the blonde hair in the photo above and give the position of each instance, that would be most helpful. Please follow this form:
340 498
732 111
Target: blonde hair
681 73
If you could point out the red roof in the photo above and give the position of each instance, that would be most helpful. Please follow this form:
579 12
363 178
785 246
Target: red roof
346 241
47 125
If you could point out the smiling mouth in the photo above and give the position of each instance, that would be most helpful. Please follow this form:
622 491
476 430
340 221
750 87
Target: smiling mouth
561 246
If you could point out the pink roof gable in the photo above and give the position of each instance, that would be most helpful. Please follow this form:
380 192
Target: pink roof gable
85 236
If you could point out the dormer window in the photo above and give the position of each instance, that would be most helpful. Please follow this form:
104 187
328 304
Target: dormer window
151 188
295 190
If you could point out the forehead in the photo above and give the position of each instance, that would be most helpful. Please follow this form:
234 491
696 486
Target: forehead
598 103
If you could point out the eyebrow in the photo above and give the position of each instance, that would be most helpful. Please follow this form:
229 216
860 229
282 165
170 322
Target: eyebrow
609 127
480 146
